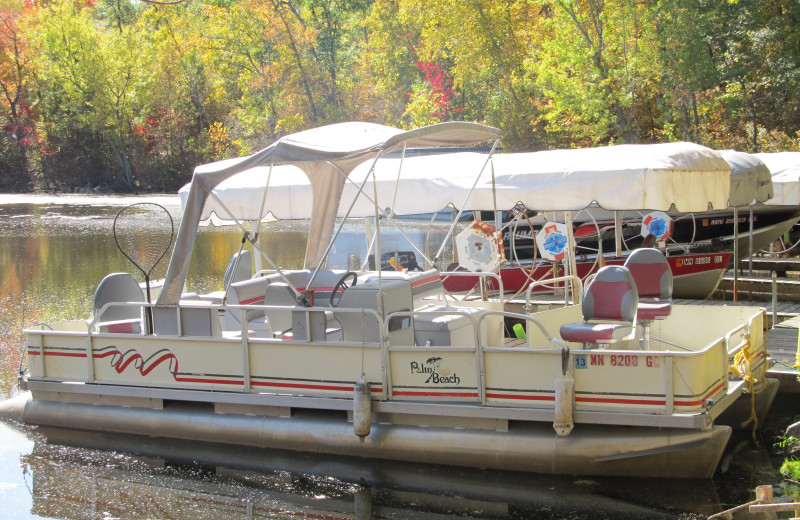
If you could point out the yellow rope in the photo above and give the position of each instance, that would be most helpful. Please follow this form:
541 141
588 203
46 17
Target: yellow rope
742 367
797 357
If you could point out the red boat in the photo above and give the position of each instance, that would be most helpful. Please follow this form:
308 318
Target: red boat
695 276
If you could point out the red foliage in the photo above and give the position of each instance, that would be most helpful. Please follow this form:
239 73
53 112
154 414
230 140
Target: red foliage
22 127
151 130
441 89
440 83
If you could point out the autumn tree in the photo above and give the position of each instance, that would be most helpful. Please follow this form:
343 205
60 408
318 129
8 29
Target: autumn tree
19 136
92 78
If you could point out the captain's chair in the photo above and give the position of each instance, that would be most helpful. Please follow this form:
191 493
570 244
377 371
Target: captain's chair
653 278
609 309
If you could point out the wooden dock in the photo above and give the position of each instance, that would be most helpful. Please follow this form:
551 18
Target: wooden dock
782 348
760 280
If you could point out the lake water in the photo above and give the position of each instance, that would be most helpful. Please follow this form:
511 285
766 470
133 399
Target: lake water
55 250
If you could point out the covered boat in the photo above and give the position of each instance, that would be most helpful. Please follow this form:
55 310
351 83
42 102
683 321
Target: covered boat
612 191
751 186
785 170
383 364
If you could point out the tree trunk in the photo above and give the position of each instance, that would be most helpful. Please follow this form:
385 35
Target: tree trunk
122 157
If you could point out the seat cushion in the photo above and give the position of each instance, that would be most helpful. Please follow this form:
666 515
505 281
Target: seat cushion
588 332
650 310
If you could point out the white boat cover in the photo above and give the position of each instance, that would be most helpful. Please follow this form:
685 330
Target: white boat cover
326 155
785 169
751 180
625 177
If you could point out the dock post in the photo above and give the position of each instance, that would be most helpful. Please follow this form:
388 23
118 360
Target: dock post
774 299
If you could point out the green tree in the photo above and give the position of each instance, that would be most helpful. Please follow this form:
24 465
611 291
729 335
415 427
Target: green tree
92 80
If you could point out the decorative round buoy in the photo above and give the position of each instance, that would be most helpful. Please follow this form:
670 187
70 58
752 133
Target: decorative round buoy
658 224
362 409
552 241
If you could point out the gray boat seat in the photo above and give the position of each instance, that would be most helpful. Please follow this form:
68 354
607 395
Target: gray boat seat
233 273
197 319
387 297
323 283
243 271
119 288
247 292
280 294
424 284
427 284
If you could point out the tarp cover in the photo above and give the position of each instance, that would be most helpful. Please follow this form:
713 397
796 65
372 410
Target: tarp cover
326 155
426 184
785 170
625 177
751 180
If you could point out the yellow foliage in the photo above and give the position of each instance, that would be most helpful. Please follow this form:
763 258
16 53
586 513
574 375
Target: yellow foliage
219 138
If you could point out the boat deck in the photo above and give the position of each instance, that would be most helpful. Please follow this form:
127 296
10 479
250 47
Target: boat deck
782 338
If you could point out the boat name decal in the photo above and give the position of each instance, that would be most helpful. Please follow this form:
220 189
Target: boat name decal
436 374
584 361
722 221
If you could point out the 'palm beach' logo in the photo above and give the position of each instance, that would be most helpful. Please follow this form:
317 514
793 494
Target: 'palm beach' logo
436 374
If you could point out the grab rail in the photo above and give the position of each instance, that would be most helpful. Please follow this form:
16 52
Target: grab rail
747 327
552 339
577 288
463 274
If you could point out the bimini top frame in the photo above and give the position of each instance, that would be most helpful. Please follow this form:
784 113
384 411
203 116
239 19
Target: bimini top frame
323 154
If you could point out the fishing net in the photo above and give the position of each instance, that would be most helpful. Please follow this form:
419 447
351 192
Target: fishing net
143 233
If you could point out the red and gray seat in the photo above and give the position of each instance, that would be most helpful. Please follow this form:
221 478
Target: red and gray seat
609 309
653 278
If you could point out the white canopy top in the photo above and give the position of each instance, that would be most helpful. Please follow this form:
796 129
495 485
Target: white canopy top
427 183
785 169
326 155
750 179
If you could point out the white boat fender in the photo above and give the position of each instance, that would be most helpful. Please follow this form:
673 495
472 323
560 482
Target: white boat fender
362 409
564 386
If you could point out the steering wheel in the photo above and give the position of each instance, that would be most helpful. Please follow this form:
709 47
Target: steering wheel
342 284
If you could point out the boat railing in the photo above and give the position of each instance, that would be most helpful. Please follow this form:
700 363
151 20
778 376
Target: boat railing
741 359
556 342
387 347
577 289
479 342
482 276
745 331
96 322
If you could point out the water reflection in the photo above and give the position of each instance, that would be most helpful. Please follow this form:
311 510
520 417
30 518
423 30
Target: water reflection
200 480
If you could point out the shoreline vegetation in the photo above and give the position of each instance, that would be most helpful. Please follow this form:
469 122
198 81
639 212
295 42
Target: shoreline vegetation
123 96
